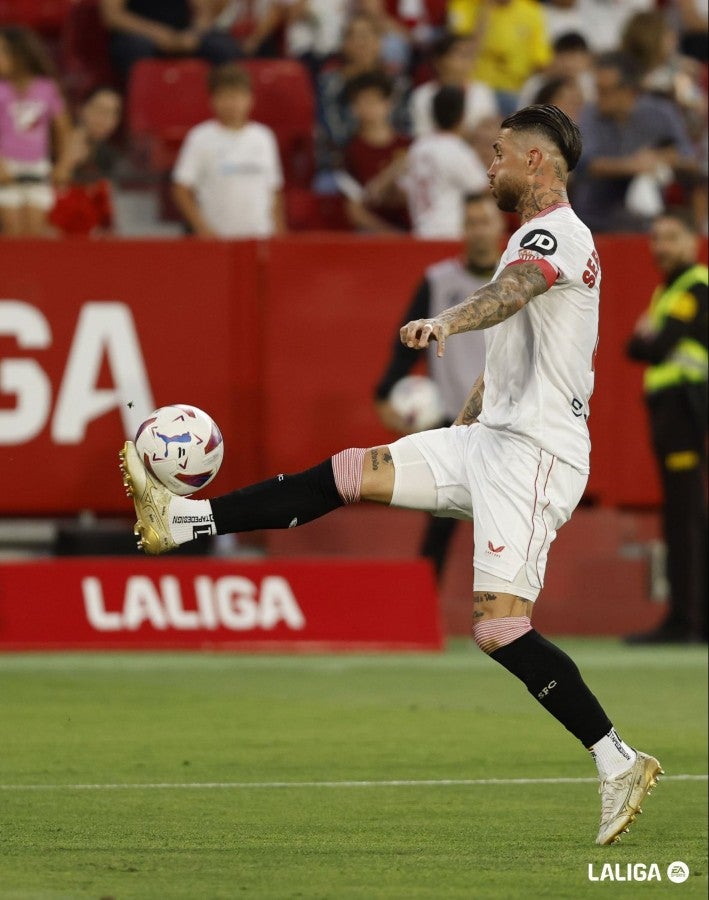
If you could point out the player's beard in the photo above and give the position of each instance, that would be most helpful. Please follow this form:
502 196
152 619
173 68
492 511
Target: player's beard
507 193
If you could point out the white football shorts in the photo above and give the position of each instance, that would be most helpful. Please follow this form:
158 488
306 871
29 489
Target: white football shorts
516 494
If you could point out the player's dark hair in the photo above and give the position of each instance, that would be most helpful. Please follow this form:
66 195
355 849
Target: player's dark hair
228 75
369 81
445 43
554 125
448 107
624 64
28 53
570 42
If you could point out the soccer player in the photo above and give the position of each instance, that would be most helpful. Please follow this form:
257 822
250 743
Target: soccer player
515 462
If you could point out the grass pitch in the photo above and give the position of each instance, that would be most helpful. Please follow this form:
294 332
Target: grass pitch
219 776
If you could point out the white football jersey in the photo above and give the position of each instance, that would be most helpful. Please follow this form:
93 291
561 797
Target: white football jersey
539 362
441 169
235 174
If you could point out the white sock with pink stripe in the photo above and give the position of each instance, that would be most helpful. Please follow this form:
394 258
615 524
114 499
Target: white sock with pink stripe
492 634
347 469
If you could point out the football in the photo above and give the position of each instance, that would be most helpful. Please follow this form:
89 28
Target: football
418 401
181 446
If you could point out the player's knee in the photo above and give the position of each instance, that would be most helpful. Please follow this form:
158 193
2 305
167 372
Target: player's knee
492 633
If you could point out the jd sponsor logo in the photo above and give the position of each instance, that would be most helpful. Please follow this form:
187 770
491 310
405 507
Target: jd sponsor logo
232 602
676 872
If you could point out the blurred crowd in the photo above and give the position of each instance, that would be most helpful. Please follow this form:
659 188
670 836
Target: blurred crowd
405 99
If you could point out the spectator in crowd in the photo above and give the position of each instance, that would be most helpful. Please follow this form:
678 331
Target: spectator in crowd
563 92
314 30
34 130
634 146
441 169
395 42
653 42
600 22
361 53
369 152
141 29
84 205
453 56
512 43
671 338
445 284
571 58
693 24
227 178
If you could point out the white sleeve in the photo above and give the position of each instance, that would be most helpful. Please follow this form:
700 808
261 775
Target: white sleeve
187 166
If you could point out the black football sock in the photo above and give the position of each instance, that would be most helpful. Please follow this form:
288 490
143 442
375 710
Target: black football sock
554 679
281 502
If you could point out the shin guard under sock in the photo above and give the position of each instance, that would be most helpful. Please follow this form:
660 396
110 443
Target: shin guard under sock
281 502
554 679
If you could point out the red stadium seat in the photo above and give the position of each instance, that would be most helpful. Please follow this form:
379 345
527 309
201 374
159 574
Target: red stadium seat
84 54
165 99
168 97
284 100
45 16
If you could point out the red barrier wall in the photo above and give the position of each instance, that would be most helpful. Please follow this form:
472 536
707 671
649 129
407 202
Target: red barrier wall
281 342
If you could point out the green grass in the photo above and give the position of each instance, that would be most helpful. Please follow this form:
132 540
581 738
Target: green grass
121 719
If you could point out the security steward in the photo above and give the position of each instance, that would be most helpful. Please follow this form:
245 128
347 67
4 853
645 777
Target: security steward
671 337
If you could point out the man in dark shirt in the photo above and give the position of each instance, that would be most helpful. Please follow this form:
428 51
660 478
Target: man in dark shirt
141 29
626 134
672 338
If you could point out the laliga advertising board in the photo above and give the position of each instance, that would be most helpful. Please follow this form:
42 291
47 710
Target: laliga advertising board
90 344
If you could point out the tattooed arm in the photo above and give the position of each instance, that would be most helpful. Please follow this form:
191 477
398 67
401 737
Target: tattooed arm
473 405
489 305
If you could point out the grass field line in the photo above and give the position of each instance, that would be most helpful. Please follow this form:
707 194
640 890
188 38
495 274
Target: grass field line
248 785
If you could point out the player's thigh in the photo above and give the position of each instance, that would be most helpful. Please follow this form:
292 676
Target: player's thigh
521 496
35 221
498 604
377 475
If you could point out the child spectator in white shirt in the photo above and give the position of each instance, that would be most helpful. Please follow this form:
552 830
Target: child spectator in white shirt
441 170
228 179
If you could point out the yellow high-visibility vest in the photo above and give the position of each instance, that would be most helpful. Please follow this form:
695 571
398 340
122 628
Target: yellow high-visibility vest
688 360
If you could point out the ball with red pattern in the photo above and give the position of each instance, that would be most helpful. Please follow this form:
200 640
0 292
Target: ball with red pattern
181 446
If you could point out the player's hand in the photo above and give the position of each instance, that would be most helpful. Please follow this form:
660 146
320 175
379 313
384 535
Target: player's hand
419 333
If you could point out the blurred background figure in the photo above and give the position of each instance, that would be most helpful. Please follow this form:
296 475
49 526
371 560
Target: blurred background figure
511 43
563 92
141 29
671 338
360 54
635 146
445 284
690 17
395 39
453 56
84 205
374 147
441 169
227 179
314 30
572 59
34 134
